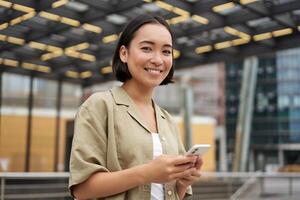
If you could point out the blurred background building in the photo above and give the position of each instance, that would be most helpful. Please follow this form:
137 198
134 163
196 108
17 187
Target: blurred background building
275 134
54 54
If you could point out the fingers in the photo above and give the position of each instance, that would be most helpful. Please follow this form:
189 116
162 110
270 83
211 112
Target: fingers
196 173
183 174
168 168
181 168
199 163
192 175
179 160
190 179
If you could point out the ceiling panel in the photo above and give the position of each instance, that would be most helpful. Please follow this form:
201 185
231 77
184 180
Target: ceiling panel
75 40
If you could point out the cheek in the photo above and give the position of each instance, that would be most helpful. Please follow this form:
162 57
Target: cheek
139 59
169 62
144 57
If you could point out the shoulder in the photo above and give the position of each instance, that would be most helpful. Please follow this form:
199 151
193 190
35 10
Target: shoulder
95 107
97 100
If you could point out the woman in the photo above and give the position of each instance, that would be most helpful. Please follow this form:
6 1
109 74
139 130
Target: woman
125 146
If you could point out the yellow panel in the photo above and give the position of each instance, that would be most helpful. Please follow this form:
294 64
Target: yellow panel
203 133
42 144
13 142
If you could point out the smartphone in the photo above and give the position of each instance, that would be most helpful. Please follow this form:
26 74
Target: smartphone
198 149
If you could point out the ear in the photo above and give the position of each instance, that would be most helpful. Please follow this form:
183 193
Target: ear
123 53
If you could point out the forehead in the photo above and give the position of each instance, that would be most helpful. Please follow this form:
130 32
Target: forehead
154 33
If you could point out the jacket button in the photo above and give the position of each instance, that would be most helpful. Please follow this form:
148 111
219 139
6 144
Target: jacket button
169 192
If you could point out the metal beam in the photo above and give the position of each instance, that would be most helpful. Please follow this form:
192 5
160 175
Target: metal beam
57 124
238 18
1 87
202 7
29 125
49 76
264 12
100 9
36 36
250 49
96 4
180 4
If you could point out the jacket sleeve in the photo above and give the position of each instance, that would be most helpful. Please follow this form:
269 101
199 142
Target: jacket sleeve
89 146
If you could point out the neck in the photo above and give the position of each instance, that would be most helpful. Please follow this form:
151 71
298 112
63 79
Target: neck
139 94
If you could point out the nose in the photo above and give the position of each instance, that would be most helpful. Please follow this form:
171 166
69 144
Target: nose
156 59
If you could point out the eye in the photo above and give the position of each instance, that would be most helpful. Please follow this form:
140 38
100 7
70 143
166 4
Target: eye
146 49
167 52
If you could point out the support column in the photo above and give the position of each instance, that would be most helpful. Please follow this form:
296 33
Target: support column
222 148
187 92
57 123
281 156
1 86
244 121
29 125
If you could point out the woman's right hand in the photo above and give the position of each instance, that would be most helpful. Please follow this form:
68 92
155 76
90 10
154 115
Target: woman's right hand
167 168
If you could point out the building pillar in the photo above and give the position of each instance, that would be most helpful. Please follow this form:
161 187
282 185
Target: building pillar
187 110
280 157
1 86
245 112
221 133
57 125
29 125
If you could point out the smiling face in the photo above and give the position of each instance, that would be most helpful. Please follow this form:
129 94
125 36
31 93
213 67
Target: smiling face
148 55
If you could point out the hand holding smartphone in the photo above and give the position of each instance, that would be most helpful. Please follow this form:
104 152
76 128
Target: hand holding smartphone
198 150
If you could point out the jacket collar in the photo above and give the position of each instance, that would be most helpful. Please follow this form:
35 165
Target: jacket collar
121 97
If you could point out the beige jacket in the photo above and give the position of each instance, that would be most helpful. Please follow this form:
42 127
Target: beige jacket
110 135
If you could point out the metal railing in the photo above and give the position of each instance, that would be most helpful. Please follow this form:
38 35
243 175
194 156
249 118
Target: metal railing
226 185
34 185
245 187
260 183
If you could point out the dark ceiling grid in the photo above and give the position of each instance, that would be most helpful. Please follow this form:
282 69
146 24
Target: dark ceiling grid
62 45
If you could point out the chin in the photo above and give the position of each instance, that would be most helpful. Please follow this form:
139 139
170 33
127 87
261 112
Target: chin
156 84
153 82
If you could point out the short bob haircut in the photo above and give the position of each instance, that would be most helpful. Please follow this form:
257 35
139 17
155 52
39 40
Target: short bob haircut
120 69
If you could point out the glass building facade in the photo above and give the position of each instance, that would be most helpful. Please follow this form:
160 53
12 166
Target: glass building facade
276 110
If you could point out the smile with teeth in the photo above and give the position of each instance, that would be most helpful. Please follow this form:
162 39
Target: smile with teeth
154 71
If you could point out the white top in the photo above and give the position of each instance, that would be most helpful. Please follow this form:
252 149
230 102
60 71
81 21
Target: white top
157 190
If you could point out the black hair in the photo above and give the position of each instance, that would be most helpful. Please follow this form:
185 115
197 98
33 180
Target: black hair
120 69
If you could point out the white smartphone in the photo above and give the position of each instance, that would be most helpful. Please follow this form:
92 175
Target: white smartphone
198 149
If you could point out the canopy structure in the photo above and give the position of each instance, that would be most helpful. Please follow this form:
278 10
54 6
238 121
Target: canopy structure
74 40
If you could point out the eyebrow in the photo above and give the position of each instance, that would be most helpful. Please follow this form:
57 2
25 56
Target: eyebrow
150 42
